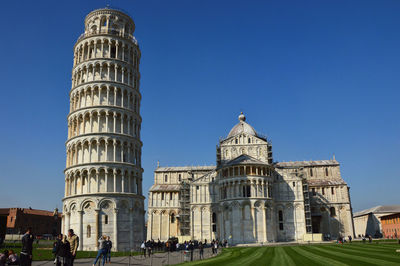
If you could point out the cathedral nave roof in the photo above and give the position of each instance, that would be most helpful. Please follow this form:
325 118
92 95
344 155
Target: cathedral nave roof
307 163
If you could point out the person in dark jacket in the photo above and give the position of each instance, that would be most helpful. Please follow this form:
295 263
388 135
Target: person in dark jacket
191 248
56 249
64 252
108 244
26 251
201 250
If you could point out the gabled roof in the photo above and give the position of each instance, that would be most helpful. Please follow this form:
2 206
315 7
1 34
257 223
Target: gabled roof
387 209
244 159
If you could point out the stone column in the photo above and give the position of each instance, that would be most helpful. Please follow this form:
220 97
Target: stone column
115 242
265 224
97 229
222 224
169 225
67 221
132 225
115 181
80 222
160 224
253 214
122 182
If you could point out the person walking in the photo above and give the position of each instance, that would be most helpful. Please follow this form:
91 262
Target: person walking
216 247
74 244
102 250
108 245
143 247
149 246
201 250
26 250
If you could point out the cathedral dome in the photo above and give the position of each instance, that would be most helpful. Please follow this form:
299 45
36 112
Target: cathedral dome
242 127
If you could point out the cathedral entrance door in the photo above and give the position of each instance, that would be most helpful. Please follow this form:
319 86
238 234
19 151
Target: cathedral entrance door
316 224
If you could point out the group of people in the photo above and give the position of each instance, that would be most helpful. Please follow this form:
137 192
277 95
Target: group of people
8 257
171 245
105 246
64 249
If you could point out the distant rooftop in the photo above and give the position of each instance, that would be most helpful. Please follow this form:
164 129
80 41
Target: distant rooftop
387 209
307 163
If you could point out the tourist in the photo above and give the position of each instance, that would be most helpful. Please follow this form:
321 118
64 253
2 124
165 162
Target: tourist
370 239
12 258
149 246
143 247
3 257
108 245
26 251
191 248
350 238
216 247
56 247
74 243
63 252
201 250
102 250
177 246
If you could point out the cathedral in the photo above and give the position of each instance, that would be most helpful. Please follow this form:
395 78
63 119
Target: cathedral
248 197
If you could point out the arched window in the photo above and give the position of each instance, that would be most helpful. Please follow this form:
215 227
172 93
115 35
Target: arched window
214 217
326 171
280 215
105 219
180 177
88 231
236 141
249 140
172 218
333 211
311 173
166 178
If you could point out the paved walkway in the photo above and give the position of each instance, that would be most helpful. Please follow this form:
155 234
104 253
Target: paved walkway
158 259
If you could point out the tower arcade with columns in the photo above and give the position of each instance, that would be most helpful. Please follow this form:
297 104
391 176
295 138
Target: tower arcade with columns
103 174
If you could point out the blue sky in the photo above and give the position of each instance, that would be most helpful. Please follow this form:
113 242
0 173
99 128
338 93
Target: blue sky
317 77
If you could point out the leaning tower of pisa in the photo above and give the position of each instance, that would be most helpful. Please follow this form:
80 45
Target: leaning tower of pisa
103 174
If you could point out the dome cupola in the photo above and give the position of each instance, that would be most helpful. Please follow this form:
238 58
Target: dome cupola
242 127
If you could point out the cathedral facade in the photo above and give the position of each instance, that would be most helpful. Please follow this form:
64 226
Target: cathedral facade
249 198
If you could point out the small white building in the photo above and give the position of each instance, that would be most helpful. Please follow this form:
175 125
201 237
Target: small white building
248 198
368 222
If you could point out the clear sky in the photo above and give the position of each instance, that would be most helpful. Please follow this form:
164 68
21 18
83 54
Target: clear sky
317 77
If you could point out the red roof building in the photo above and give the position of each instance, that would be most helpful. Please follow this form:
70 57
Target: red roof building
17 220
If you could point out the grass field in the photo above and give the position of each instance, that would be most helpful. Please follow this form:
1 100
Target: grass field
43 251
377 253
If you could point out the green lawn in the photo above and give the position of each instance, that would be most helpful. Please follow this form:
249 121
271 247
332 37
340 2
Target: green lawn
42 251
356 253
